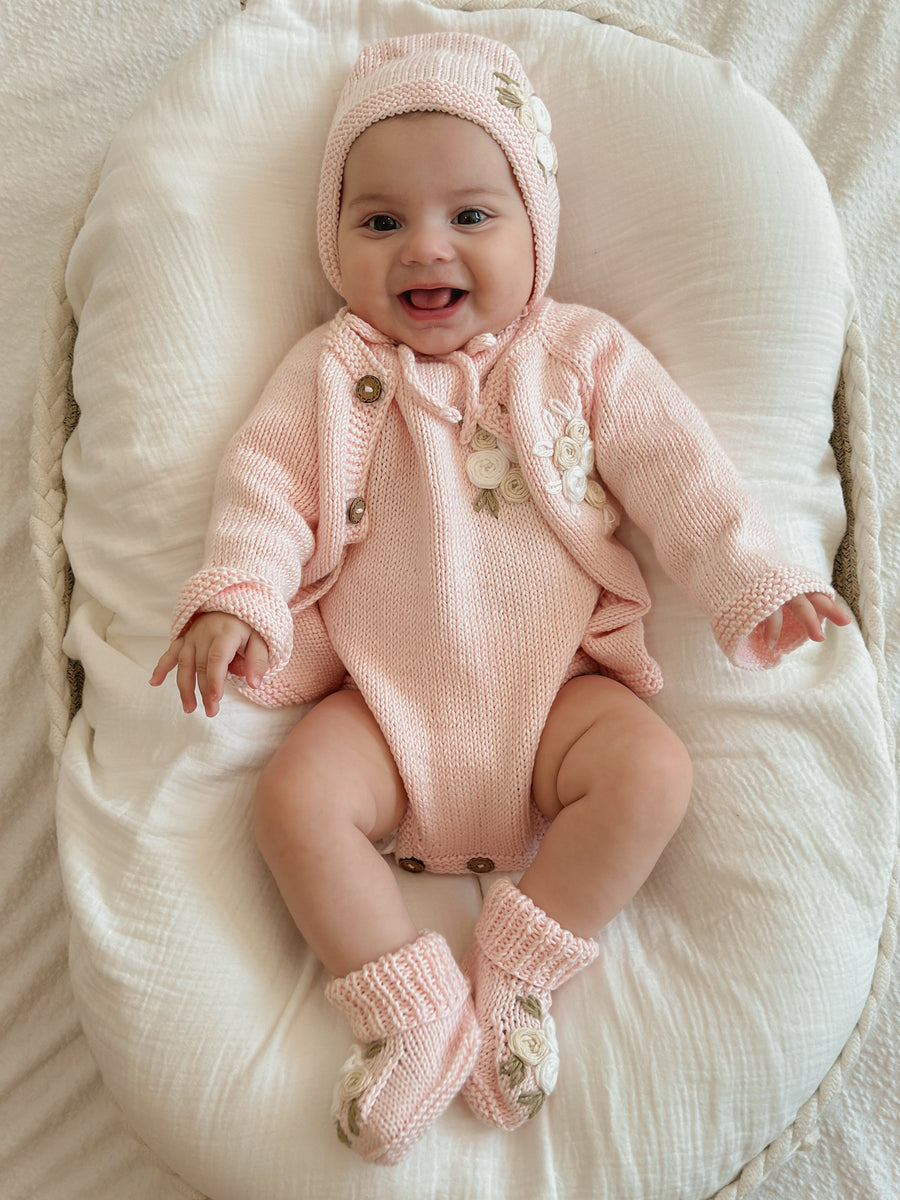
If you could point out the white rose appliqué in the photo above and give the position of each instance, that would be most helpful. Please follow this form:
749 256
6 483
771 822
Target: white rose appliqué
491 467
354 1080
572 453
532 1051
534 119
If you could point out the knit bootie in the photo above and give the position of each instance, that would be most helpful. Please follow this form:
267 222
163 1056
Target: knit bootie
412 1011
518 956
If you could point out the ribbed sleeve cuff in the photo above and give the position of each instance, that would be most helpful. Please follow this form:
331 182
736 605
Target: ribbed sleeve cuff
252 600
736 627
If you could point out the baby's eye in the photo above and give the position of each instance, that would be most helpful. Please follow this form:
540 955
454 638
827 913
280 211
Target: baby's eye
470 216
382 223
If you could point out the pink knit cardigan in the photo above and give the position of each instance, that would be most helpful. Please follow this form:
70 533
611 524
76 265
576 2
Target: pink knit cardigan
291 491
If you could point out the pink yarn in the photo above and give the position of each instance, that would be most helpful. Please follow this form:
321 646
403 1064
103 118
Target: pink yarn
519 955
425 583
412 1011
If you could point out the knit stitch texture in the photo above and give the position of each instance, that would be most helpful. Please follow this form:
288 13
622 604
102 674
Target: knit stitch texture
519 955
464 75
459 627
412 1011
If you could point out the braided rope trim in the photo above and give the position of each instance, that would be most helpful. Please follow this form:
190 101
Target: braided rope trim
54 415
591 9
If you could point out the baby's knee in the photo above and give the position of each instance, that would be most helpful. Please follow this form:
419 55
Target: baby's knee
645 773
280 808
666 774
333 774
663 754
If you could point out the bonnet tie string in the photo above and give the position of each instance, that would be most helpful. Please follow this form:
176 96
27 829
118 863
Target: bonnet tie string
410 374
474 403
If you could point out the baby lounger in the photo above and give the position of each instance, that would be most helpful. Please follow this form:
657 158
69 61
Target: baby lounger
731 994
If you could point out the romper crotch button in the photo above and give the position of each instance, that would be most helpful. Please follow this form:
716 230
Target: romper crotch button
368 389
415 866
356 511
480 866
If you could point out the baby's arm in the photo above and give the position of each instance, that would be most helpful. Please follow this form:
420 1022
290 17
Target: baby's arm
661 459
214 644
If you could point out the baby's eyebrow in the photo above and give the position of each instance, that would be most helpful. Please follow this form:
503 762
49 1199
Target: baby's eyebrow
368 199
469 193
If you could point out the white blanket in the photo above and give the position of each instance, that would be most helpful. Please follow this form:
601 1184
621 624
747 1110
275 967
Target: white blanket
74 76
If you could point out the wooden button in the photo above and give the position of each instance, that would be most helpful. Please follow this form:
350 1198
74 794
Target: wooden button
356 511
368 389
481 866
415 866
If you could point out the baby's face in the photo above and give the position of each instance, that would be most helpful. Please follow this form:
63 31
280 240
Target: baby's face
434 241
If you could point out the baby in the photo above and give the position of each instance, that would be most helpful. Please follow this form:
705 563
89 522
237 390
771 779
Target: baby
416 527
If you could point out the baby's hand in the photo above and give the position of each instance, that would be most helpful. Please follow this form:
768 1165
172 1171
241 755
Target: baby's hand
810 610
214 644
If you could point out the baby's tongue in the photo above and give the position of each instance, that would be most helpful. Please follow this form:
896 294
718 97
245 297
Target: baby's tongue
430 297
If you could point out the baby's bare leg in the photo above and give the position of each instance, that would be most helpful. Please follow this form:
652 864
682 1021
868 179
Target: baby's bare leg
330 792
615 781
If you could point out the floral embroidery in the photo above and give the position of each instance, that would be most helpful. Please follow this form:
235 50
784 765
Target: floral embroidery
572 453
534 1049
491 467
486 468
530 1045
513 488
354 1081
534 118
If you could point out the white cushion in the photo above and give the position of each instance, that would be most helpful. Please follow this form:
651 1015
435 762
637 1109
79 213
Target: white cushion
724 993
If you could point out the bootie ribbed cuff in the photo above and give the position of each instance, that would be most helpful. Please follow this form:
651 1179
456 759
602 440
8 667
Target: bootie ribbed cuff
414 985
522 940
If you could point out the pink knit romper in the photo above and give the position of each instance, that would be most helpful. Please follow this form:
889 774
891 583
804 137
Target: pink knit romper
459 628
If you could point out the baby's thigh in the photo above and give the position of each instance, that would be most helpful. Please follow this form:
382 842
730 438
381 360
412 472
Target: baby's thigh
335 766
600 736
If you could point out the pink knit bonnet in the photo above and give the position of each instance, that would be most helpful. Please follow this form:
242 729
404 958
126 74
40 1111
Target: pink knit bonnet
467 76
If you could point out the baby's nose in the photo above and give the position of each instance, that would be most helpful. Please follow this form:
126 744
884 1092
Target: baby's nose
427 243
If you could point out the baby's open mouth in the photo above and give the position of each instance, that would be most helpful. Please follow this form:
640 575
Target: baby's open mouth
432 299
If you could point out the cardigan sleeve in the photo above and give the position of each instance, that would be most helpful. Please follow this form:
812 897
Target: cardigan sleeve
658 455
262 528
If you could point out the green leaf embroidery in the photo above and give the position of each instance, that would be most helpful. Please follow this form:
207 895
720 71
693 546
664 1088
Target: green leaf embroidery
487 498
514 1070
374 1048
533 1101
532 1006
353 1118
510 95
342 1137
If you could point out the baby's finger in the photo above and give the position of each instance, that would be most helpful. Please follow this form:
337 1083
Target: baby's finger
772 629
256 660
828 609
211 674
186 677
167 662
806 614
